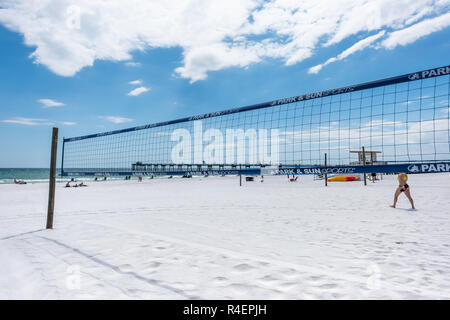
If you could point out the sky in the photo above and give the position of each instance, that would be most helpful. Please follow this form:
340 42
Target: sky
92 66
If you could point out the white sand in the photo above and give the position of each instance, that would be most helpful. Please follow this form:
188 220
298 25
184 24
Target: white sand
209 238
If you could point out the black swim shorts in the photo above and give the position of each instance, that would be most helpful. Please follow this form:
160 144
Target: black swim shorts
404 187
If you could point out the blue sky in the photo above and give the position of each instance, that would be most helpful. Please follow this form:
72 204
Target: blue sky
95 98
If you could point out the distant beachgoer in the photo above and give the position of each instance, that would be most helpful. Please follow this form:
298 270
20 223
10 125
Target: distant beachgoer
104 179
139 178
72 179
68 184
403 187
19 181
374 177
95 179
82 185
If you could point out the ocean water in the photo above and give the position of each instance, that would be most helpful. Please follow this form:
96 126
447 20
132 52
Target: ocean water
38 175
30 175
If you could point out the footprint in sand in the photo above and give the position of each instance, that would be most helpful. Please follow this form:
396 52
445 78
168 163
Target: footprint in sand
328 286
315 278
125 268
243 267
288 285
153 264
268 278
289 272
220 279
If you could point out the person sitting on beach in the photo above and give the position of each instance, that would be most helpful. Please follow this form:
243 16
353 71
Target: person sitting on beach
68 184
82 185
403 187
19 182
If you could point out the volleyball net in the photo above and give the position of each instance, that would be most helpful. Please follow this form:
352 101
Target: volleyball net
401 123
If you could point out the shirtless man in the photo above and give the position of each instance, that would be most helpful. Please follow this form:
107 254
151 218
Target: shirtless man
403 187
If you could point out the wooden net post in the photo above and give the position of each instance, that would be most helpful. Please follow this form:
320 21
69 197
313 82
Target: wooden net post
364 163
52 182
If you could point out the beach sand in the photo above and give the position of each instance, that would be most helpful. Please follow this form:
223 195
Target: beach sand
209 238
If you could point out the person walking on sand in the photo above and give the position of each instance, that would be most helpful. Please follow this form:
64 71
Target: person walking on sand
403 187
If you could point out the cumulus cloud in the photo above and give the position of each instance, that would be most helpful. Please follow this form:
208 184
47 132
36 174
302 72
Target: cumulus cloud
69 35
115 119
138 91
49 103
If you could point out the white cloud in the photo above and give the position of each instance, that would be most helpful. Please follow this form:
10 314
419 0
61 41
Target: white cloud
360 45
213 34
115 119
135 82
138 91
132 64
198 61
29 121
416 31
38 122
49 103
68 123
